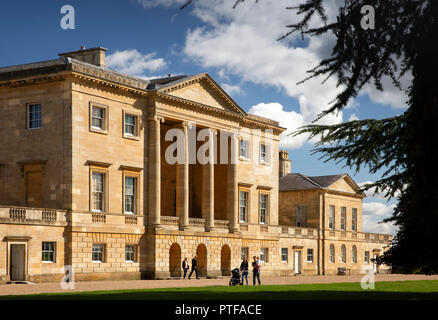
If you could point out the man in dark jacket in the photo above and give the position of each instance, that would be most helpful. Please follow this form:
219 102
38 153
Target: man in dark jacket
194 267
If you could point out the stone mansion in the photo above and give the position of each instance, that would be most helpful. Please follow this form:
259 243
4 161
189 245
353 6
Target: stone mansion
85 182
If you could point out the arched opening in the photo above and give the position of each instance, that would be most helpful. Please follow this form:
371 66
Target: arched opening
175 260
354 254
343 254
201 252
332 253
226 260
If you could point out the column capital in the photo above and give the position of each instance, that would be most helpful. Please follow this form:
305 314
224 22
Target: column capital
187 124
156 118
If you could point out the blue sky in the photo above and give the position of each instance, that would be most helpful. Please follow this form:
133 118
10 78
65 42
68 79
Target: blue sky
238 48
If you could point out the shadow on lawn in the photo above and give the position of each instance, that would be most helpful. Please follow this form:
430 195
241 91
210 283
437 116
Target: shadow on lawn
218 295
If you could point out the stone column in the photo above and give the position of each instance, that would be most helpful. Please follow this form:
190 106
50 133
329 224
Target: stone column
154 160
233 191
182 183
208 184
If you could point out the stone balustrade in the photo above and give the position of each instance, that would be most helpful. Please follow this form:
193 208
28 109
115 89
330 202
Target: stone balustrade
24 215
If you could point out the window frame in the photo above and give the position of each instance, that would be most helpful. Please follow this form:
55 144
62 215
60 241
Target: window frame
309 254
343 254
354 219
105 121
367 256
332 217
332 253
28 106
284 255
105 172
343 226
247 141
53 252
267 206
264 254
136 125
247 192
102 252
244 251
134 253
354 254
136 202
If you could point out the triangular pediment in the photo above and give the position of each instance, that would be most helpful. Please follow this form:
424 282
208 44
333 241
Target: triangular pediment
204 90
345 184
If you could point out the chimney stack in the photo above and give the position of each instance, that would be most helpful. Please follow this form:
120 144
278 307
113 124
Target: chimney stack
285 163
94 56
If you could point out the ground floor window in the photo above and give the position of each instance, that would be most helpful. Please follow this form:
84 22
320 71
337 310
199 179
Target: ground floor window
130 253
283 254
309 255
98 253
48 252
367 257
244 253
264 254
332 253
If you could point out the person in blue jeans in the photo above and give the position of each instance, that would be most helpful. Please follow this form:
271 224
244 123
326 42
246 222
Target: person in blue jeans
256 270
244 270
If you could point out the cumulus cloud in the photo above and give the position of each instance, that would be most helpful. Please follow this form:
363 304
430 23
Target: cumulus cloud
353 117
373 214
242 42
287 119
232 89
371 193
134 63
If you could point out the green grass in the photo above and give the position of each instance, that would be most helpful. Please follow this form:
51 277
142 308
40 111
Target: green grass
396 290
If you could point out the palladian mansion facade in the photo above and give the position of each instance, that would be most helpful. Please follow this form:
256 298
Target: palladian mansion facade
106 173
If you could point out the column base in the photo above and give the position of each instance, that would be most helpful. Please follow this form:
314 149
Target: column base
183 228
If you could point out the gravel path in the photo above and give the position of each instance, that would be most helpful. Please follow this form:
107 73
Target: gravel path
20 289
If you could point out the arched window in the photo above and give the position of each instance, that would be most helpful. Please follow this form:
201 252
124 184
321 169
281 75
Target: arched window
343 254
332 253
354 254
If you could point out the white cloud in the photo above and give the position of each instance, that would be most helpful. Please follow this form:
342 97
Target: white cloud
232 89
371 193
287 119
375 212
242 42
134 63
155 3
353 117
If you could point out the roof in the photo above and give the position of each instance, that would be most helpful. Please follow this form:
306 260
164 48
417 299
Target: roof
159 83
69 64
298 181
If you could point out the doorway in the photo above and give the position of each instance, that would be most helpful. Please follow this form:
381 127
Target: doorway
17 262
297 262
226 260
175 260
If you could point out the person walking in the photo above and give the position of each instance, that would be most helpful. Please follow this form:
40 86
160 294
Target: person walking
255 270
194 267
244 270
185 266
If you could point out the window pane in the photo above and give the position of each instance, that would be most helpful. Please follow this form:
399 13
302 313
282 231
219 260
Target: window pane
332 217
98 118
130 124
34 116
243 205
98 181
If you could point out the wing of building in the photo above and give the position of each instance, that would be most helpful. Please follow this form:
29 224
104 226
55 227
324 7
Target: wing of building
122 178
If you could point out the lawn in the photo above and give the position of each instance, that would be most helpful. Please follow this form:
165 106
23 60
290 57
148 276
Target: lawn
395 290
